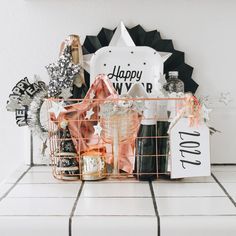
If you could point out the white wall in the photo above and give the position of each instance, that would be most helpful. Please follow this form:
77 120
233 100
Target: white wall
31 32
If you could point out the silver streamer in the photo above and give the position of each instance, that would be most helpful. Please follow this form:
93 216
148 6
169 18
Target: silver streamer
33 118
110 108
25 100
13 104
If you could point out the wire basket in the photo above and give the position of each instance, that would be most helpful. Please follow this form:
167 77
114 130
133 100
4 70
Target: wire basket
101 138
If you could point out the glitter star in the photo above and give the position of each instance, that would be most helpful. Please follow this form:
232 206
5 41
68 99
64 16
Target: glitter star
92 95
64 124
62 72
66 93
57 108
206 100
162 80
97 129
225 98
205 112
89 114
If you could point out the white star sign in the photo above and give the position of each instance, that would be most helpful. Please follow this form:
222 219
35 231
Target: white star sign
57 108
89 113
97 129
121 38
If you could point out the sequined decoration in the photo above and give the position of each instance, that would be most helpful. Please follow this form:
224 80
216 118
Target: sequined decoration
62 73
66 145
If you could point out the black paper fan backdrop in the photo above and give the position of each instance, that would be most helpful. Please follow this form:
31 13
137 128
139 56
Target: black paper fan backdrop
176 62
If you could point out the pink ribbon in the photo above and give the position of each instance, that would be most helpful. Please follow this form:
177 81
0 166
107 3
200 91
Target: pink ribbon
193 109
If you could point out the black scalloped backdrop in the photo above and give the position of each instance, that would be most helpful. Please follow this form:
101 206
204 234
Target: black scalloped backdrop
176 62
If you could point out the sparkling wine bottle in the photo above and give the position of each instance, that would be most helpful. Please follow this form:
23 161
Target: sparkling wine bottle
79 88
173 85
146 145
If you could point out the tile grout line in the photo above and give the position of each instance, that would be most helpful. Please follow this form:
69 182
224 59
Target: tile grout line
223 164
155 209
74 207
147 216
122 197
14 185
223 188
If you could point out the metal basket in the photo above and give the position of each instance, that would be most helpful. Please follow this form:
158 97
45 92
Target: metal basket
107 158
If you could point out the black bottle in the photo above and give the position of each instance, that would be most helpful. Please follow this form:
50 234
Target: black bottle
163 149
146 145
174 84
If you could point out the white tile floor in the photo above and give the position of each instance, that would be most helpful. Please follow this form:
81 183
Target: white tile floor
198 225
181 206
36 207
115 206
114 226
33 226
116 189
187 189
32 202
45 190
226 177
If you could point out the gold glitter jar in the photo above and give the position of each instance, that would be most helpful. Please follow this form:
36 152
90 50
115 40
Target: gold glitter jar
93 165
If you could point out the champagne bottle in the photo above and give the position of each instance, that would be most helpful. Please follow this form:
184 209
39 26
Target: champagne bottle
146 145
173 85
79 87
